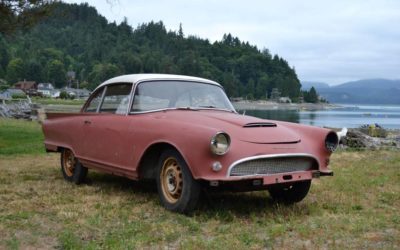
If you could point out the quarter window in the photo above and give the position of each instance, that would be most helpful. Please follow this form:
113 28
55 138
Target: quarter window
116 99
94 101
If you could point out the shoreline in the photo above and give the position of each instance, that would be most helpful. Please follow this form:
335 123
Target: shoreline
269 105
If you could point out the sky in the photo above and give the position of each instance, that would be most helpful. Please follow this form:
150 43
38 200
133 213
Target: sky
325 41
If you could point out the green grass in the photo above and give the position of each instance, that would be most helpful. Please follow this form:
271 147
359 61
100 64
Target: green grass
47 101
358 208
20 137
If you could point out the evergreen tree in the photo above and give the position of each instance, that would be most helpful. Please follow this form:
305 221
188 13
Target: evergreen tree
56 73
313 96
21 13
15 70
76 37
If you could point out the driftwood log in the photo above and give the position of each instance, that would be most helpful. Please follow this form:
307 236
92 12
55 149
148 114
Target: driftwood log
22 109
357 139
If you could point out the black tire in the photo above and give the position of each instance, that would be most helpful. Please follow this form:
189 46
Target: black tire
72 170
177 189
290 193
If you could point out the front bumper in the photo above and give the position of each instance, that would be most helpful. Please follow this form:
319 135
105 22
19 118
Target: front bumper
255 182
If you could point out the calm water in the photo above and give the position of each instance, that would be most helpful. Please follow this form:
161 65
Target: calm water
349 116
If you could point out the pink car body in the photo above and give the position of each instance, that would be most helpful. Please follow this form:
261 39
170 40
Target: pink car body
260 154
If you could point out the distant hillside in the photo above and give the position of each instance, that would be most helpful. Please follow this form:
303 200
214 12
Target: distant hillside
368 91
305 85
76 38
370 84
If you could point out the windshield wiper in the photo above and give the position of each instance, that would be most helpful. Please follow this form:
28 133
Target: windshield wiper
187 108
213 107
208 107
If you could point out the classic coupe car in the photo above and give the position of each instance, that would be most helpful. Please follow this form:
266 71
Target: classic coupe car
183 132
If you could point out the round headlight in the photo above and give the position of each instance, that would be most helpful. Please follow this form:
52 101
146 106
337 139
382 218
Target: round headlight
331 141
220 143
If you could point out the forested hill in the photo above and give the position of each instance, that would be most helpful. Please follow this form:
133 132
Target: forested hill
76 38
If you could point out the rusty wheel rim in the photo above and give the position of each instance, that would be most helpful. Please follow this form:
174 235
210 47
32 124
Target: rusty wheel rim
68 162
171 180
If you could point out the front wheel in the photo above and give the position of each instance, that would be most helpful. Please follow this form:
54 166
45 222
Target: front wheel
290 193
177 189
71 168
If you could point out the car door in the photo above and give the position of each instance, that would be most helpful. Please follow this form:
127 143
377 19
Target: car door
108 138
89 110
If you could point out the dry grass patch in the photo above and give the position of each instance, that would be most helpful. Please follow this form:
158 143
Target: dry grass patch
357 208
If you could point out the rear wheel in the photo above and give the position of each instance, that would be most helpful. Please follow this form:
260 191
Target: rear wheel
177 189
71 168
290 193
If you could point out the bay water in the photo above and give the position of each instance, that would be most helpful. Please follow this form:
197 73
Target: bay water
347 115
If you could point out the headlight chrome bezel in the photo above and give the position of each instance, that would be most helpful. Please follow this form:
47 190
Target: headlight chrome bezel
331 141
214 143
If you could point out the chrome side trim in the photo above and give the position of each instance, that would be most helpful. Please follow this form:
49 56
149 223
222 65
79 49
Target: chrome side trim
228 174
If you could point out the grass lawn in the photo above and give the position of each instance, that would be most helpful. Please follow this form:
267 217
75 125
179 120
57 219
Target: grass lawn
20 137
47 101
358 208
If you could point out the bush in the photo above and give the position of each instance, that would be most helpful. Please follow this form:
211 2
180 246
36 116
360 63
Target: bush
18 96
65 95
374 130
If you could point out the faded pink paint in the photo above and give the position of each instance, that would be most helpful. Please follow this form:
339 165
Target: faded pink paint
116 143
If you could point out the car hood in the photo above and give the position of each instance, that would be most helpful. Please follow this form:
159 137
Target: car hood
244 128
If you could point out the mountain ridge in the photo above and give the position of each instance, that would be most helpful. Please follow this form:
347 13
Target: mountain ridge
364 91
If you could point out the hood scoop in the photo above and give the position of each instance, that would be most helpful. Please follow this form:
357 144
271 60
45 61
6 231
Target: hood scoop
259 125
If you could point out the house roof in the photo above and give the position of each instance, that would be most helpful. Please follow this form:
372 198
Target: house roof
26 84
44 85
14 91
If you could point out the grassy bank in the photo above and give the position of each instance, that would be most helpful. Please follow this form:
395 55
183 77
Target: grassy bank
20 137
50 101
357 208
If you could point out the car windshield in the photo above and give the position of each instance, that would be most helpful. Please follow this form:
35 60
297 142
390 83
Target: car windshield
156 95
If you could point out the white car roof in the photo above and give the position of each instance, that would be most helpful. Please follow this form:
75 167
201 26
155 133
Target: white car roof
145 77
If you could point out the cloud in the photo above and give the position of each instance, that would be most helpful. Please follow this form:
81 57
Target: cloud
331 41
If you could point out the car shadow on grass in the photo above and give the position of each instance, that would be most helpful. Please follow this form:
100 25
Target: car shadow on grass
222 205
227 205
112 181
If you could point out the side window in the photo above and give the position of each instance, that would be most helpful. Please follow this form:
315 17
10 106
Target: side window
152 96
94 101
116 98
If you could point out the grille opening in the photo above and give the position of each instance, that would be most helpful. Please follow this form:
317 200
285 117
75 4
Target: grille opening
259 125
287 177
274 165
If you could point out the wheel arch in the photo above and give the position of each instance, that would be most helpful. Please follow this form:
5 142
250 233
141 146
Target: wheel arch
147 168
60 148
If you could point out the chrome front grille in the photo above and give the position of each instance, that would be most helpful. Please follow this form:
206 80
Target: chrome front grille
273 165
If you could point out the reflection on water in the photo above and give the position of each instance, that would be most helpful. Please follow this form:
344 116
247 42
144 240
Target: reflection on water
350 116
